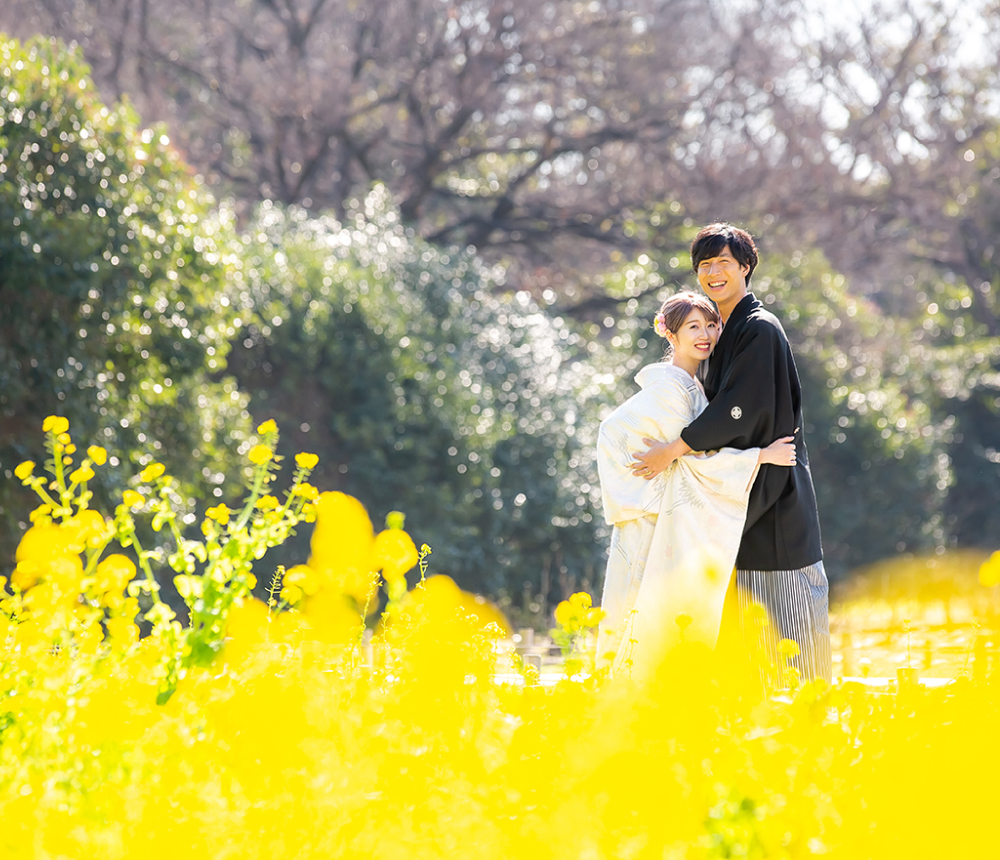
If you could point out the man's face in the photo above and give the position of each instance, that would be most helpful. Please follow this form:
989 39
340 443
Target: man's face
723 279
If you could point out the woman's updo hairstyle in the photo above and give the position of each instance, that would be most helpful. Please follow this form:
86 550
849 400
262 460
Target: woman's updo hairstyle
677 308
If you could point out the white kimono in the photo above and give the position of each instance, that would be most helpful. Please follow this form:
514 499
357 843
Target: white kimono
675 537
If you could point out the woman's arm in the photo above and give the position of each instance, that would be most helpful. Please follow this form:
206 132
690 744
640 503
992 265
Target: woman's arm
781 452
649 463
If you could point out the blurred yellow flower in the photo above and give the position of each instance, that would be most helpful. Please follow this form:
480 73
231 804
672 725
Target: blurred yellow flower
132 499
989 572
81 475
97 454
48 552
267 503
260 454
564 613
302 577
114 573
55 424
307 491
42 541
788 648
220 513
87 528
792 677
332 618
394 553
64 438
151 472
291 594
188 586
122 631
42 512
306 461
24 470
267 427
576 614
395 520
342 543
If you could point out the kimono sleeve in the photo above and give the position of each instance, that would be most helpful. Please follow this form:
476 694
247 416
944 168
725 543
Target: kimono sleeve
659 412
742 413
730 472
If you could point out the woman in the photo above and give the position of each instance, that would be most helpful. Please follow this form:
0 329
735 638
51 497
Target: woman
676 536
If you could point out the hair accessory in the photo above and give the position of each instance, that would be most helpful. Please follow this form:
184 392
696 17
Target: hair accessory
660 324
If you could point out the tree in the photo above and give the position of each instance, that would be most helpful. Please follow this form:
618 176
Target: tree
115 275
426 390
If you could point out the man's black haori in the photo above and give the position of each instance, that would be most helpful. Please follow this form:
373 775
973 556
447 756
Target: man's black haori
754 398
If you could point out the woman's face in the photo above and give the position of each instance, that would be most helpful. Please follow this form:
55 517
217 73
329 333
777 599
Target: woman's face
696 337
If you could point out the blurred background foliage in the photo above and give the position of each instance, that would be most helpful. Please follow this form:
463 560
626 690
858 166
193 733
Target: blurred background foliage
426 387
115 269
429 242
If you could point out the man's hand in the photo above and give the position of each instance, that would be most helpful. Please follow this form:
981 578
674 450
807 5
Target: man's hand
649 463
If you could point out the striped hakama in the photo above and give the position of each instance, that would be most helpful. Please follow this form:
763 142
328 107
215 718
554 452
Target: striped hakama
797 604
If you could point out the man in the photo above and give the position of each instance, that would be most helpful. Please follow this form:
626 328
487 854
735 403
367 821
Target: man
755 398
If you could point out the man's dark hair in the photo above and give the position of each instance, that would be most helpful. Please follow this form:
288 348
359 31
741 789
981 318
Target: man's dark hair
712 239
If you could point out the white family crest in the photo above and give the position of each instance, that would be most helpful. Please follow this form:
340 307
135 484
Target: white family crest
736 412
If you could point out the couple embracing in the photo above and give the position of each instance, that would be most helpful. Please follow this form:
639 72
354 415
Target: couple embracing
700 479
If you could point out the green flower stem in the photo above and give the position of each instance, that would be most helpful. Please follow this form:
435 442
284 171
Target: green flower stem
258 481
57 464
154 588
94 556
38 485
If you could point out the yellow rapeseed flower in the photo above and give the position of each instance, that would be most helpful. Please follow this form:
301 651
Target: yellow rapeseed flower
267 503
42 512
97 454
87 526
151 472
81 475
132 499
260 454
42 541
302 577
306 461
564 613
291 594
122 631
24 470
342 544
307 491
64 438
267 427
220 513
989 572
114 573
55 424
394 553
788 648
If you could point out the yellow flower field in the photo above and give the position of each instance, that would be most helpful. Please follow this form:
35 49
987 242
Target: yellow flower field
265 731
